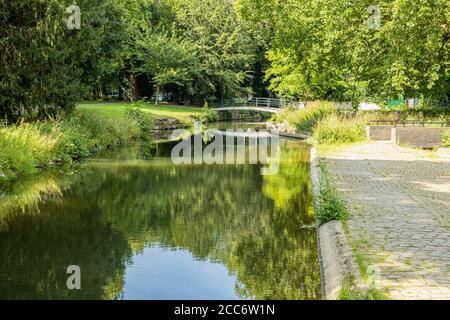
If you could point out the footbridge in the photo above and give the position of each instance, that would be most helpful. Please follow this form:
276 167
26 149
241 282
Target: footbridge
270 105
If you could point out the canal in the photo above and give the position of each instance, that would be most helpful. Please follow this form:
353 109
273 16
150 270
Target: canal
140 227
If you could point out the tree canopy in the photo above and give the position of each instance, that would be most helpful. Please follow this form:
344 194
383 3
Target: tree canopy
327 49
217 49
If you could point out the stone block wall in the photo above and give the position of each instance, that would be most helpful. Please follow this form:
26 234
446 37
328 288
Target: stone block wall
379 133
421 137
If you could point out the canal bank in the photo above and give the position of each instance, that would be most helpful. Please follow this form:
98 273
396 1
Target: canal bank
137 225
337 262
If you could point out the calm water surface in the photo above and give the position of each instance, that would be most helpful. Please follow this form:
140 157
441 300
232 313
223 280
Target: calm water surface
140 227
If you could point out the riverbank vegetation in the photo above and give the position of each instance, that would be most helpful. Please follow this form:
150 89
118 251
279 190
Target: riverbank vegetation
330 206
119 109
28 147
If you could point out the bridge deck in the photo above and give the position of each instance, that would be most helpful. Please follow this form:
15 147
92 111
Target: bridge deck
259 109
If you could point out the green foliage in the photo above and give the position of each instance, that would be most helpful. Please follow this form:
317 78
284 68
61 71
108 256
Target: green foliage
446 138
144 119
331 205
305 119
221 47
208 115
44 66
26 147
350 291
325 50
340 130
22 149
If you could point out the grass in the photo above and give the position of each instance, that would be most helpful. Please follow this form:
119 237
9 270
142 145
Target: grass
304 120
328 124
117 110
351 291
27 147
337 130
331 205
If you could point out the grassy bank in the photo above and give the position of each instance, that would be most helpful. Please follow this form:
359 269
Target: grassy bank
118 110
333 126
27 148
327 124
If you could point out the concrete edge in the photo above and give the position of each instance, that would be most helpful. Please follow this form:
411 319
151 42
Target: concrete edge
337 261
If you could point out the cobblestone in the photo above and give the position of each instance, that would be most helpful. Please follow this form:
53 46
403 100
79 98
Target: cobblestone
399 199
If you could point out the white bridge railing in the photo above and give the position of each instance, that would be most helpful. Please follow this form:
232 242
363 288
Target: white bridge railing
255 102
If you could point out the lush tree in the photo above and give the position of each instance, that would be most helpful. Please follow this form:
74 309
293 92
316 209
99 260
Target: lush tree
221 46
327 50
45 66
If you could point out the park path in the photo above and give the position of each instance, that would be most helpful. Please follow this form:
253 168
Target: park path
399 199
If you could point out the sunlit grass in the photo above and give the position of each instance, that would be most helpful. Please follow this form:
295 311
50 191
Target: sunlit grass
182 113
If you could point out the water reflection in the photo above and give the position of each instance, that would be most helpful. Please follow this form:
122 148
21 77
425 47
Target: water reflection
137 227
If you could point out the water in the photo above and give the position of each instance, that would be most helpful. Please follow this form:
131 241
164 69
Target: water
140 227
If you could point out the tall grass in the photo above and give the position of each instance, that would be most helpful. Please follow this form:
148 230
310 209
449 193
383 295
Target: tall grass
331 205
24 148
306 119
335 129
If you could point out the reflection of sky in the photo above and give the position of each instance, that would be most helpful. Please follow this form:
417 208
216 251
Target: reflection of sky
164 274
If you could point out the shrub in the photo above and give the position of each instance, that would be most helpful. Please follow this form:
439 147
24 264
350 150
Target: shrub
25 147
306 119
338 130
331 206
351 291
74 142
143 119
87 132
208 115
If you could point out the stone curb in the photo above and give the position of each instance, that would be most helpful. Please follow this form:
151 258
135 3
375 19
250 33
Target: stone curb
337 261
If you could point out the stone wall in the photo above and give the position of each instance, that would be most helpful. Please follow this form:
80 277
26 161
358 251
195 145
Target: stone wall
243 115
379 133
163 127
421 137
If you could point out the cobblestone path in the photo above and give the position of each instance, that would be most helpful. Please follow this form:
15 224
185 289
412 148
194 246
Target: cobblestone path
399 199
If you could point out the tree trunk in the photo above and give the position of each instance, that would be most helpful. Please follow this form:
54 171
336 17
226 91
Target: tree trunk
101 94
104 90
120 91
157 95
187 100
134 88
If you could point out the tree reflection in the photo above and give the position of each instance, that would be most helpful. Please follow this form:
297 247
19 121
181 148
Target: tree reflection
254 225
